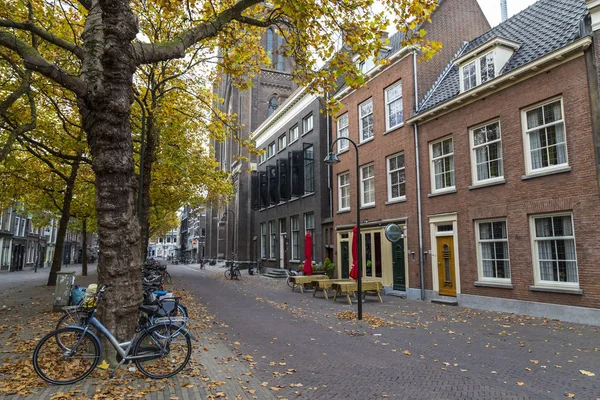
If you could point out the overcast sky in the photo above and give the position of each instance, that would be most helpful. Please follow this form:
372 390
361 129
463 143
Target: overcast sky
491 8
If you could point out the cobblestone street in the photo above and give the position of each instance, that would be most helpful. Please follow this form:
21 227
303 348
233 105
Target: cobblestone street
260 340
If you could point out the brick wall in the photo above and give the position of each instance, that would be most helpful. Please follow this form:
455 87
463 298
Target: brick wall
517 199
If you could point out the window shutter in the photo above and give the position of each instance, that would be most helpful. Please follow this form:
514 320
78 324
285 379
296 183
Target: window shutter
284 185
297 173
273 189
264 189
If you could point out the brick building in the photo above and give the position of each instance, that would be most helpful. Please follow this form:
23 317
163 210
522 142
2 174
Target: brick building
374 117
508 170
290 188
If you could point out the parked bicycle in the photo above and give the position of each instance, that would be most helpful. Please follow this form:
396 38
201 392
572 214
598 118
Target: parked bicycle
233 272
291 273
68 355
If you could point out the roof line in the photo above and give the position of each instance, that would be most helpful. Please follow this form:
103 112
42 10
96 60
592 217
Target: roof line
442 76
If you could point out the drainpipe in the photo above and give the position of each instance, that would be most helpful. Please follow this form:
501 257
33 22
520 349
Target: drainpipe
329 134
418 169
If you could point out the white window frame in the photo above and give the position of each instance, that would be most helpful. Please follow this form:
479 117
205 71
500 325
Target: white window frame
271 150
341 190
389 102
535 253
527 143
263 240
295 230
478 245
272 238
342 131
389 177
282 142
476 62
363 181
452 188
294 133
474 176
17 226
307 124
360 120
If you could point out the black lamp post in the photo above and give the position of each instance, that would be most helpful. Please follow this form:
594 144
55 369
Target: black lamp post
232 237
332 159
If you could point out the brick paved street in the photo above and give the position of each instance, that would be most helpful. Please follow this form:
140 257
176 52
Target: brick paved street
258 339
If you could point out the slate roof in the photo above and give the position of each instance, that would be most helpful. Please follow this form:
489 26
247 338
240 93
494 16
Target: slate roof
540 29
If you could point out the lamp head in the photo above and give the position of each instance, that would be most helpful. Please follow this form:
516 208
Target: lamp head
331 159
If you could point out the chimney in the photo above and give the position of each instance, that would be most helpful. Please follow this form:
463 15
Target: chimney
504 10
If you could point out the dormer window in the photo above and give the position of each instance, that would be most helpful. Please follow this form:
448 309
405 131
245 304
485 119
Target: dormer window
478 71
484 63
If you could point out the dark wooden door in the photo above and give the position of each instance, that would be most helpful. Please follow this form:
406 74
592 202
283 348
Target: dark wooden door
398 265
345 257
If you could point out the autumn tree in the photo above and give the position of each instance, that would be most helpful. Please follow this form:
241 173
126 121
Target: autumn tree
92 49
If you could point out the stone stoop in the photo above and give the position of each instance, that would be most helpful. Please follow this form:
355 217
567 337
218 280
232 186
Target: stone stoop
445 300
276 274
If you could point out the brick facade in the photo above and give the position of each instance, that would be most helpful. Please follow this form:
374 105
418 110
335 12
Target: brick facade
517 199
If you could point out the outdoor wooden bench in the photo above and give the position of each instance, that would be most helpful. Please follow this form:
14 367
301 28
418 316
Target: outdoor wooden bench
325 285
301 280
352 287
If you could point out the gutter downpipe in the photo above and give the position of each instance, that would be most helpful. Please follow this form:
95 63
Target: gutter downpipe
329 173
418 168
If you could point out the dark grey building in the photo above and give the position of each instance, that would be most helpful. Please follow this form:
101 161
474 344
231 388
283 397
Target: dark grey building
290 189
269 90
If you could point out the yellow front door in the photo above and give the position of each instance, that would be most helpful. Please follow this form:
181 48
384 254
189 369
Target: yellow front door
445 259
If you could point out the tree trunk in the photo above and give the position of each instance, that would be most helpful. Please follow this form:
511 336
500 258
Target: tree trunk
84 266
105 114
149 158
63 224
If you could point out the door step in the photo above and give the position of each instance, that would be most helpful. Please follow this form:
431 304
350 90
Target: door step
396 293
276 274
447 302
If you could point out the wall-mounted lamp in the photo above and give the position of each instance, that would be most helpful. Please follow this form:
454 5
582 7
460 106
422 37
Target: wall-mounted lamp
425 253
412 254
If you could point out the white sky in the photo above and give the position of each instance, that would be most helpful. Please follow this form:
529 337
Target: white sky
491 8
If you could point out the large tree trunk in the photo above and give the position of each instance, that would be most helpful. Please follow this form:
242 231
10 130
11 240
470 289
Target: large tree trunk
149 158
105 113
63 224
84 266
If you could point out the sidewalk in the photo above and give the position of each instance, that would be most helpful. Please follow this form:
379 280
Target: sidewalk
214 371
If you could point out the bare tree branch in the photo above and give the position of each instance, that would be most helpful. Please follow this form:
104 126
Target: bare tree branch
44 34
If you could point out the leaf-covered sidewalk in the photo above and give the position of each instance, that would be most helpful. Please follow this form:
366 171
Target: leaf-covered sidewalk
214 371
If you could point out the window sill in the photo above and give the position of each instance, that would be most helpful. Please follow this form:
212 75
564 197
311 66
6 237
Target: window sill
308 194
293 199
555 290
347 149
442 193
393 129
306 133
295 261
546 173
281 150
400 200
499 285
366 141
293 141
487 184
272 259
367 206
343 211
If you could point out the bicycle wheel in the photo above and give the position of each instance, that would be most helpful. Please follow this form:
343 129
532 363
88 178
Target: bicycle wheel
227 274
291 284
165 350
70 362
76 318
168 278
237 274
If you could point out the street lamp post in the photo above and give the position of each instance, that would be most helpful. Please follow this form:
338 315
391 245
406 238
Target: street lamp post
332 159
232 238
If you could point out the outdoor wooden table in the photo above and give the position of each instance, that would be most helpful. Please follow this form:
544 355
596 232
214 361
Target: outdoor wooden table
352 287
301 280
325 285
